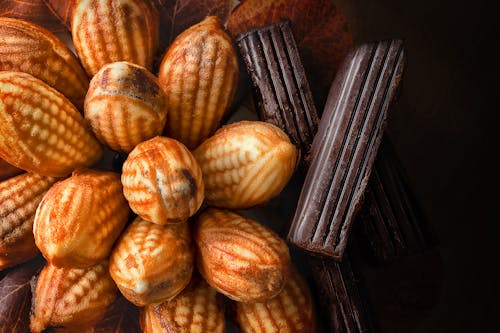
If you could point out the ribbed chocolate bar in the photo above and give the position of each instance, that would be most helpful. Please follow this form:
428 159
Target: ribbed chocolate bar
391 221
344 149
280 85
341 295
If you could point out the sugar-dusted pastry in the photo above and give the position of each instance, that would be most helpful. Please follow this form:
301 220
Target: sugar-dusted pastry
195 309
41 131
291 310
114 30
125 105
199 74
152 263
29 48
19 199
162 181
239 257
245 164
79 218
73 298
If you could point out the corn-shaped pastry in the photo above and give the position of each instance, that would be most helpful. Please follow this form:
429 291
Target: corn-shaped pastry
290 311
73 298
162 181
106 31
29 48
199 73
152 263
19 198
80 218
125 105
195 309
245 164
239 257
40 130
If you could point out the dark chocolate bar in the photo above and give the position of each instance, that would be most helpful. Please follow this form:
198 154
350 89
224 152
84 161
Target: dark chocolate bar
280 85
391 222
341 296
284 99
344 149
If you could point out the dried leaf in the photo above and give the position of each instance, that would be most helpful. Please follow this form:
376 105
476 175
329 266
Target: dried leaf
34 11
15 297
320 30
121 317
62 9
178 15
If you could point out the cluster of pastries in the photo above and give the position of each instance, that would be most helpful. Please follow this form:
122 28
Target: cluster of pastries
164 232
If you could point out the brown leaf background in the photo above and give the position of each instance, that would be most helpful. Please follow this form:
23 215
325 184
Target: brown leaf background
320 30
178 15
31 10
121 317
15 297
62 9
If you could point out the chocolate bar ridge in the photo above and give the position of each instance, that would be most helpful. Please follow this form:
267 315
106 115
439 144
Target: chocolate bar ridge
391 220
344 149
281 89
341 296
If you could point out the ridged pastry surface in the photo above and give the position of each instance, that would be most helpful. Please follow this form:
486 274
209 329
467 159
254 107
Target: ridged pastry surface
290 311
162 181
199 73
245 164
114 30
195 309
71 297
152 263
40 130
80 218
125 105
239 257
29 48
19 198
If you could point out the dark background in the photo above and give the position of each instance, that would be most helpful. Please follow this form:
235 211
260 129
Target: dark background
445 130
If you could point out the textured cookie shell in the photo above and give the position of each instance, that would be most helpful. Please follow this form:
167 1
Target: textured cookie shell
71 297
40 130
29 48
125 105
290 311
162 181
245 164
80 218
114 30
152 263
199 74
195 309
239 257
19 198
